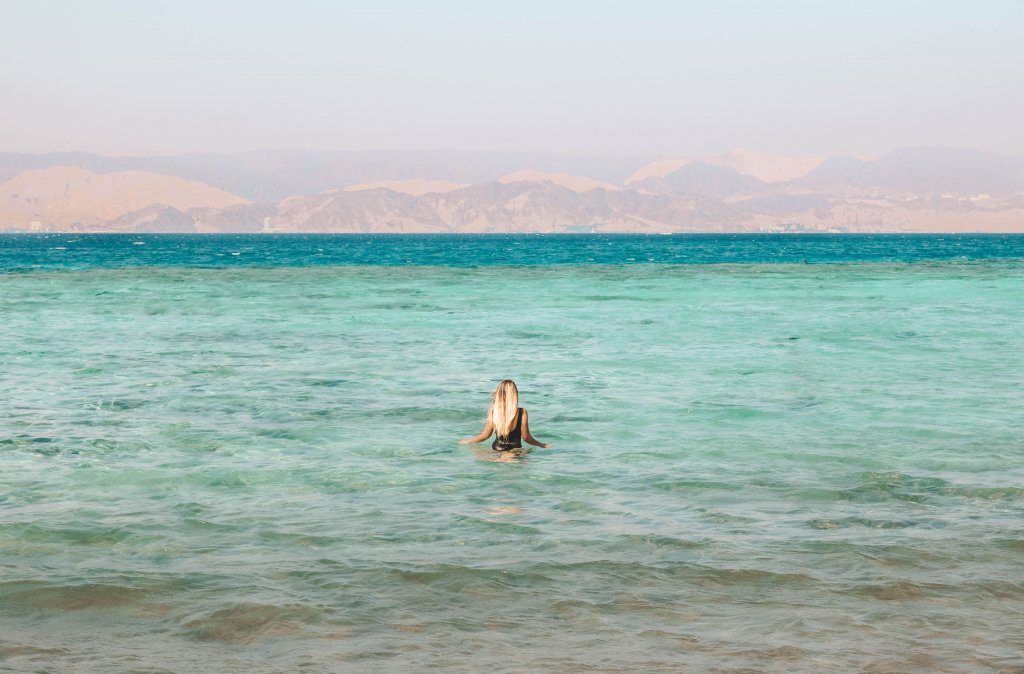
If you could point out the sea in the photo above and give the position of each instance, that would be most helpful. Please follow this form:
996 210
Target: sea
769 453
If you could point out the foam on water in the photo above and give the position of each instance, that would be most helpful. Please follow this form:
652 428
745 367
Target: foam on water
764 467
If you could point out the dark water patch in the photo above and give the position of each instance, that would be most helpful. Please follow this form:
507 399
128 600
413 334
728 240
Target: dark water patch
895 485
329 383
777 654
810 494
278 433
108 445
240 479
404 306
1012 544
900 591
26 440
721 517
995 589
188 508
804 403
454 578
583 507
573 418
614 298
327 413
195 524
250 623
75 597
92 536
295 539
214 371
754 578
864 522
41 445
662 542
686 485
1007 493
885 555
729 410
981 590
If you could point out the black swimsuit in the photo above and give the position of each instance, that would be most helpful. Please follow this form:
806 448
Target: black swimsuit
514 439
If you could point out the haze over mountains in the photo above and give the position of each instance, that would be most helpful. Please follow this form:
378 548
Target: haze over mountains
912 189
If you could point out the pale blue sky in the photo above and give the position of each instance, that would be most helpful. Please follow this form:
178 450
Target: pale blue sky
655 78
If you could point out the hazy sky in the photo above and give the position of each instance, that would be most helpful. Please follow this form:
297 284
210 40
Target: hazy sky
653 78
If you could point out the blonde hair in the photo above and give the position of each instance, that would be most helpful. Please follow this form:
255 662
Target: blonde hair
505 408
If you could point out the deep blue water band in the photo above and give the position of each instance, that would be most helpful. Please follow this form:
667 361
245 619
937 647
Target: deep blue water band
26 252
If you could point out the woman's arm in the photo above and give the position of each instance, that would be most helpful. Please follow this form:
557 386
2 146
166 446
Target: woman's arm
484 434
526 432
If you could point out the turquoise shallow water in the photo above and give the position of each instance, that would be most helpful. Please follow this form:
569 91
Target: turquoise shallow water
756 467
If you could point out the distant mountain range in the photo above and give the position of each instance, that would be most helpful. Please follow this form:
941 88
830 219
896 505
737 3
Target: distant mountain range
911 189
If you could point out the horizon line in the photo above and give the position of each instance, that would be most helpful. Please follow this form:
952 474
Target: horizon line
553 153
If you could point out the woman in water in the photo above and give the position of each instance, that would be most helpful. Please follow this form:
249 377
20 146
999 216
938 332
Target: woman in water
507 420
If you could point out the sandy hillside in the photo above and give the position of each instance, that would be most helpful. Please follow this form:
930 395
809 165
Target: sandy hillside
65 195
414 187
569 182
766 167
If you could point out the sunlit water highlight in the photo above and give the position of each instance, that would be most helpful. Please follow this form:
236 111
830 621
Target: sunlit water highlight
756 467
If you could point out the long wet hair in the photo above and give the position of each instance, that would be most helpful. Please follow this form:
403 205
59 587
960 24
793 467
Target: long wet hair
505 408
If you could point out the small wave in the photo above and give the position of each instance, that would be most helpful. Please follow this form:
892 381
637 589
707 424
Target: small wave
613 298
777 654
898 591
404 306
907 590
498 525
877 487
278 433
687 485
43 445
12 650
560 418
248 623
329 383
457 578
752 577
303 540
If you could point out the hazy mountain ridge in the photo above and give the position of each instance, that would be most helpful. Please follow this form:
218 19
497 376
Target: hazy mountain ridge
915 189
923 171
273 175
702 179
